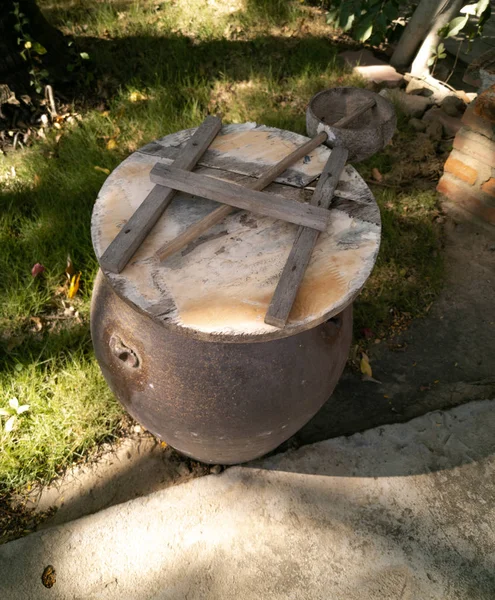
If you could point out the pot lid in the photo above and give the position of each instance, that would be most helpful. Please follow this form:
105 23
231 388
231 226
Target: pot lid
219 287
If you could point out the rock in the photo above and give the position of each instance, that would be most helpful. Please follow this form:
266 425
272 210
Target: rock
417 124
411 105
451 125
421 91
183 469
466 97
374 70
434 130
453 106
216 469
437 89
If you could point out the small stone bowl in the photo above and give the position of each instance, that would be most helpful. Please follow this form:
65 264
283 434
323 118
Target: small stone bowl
366 135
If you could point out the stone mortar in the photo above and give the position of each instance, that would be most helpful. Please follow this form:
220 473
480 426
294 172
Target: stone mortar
365 136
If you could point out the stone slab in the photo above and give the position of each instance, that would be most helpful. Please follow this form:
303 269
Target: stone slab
401 511
365 63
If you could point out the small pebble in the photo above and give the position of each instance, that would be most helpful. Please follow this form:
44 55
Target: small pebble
183 469
216 469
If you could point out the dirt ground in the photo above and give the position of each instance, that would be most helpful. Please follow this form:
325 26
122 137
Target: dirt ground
441 361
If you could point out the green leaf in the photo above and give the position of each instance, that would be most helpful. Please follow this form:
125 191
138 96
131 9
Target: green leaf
332 16
456 25
39 49
440 48
469 9
346 16
481 6
431 61
363 30
84 55
9 425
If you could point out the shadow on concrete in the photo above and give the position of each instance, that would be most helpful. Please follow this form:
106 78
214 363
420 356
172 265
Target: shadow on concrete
248 534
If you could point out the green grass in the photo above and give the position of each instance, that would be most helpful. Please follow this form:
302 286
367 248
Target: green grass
159 68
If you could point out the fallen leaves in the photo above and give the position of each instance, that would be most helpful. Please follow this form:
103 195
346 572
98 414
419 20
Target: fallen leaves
73 286
37 269
137 97
377 176
102 170
365 365
367 372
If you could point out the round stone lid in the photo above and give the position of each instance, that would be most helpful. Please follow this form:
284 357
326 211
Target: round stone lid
219 287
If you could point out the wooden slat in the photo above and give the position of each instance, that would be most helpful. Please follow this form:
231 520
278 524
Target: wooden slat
133 233
219 214
270 205
225 154
300 255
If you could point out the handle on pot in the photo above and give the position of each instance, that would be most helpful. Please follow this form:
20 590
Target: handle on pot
331 328
123 352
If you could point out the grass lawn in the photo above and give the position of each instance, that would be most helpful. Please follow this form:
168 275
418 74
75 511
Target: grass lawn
161 66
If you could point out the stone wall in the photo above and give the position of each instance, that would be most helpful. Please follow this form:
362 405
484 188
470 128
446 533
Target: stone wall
468 182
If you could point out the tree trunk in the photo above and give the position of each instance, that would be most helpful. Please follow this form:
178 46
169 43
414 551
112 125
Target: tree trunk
425 14
450 9
12 64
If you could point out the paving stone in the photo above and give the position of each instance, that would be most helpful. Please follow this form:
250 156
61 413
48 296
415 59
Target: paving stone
371 68
401 511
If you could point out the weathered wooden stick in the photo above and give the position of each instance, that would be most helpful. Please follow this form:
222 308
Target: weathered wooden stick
132 235
216 216
358 111
270 205
302 249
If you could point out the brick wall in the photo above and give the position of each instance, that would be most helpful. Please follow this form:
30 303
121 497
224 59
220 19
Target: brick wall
468 182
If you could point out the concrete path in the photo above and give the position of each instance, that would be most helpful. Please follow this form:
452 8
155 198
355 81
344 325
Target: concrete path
402 511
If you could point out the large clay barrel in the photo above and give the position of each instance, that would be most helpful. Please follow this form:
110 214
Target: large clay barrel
183 343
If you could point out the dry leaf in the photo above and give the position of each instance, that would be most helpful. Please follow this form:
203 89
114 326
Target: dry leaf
137 97
74 286
102 170
37 269
377 176
37 324
69 269
365 366
37 180
111 144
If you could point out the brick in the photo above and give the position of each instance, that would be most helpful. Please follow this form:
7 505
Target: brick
478 124
489 187
465 198
475 145
483 171
485 104
461 170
